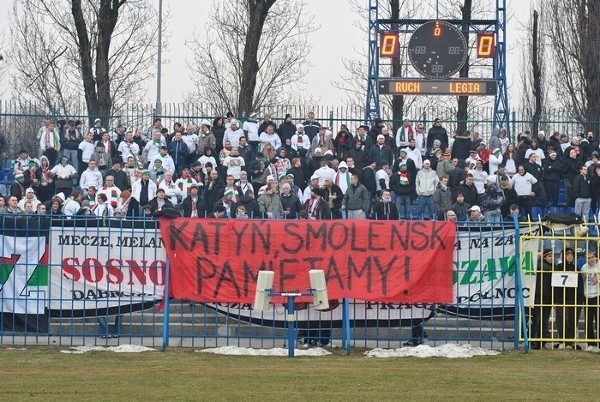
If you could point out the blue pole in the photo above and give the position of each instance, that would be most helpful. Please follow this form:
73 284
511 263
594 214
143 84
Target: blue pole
291 326
166 318
346 324
519 301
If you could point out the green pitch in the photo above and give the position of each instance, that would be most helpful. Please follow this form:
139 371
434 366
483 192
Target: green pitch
43 373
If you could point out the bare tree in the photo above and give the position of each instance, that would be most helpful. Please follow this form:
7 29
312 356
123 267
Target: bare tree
574 32
253 55
67 50
354 80
533 73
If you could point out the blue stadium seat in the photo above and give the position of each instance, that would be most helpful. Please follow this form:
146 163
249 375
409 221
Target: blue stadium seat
562 199
536 213
561 186
1 177
3 190
568 209
10 177
9 165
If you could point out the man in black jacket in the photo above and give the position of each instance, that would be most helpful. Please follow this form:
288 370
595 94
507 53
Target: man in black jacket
193 205
552 176
535 169
582 193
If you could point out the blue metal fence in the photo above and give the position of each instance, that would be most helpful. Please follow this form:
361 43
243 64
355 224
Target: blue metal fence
92 281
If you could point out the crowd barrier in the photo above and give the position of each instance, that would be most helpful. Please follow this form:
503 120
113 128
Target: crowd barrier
103 282
563 312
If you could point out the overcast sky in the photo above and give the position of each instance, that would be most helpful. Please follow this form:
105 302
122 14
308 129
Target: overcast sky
336 38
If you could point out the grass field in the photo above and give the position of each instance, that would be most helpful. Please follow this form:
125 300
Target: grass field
43 373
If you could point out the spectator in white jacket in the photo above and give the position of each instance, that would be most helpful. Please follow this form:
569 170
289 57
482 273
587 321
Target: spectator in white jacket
271 137
172 190
91 176
233 134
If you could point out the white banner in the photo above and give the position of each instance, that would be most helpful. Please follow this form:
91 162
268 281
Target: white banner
103 268
484 269
23 285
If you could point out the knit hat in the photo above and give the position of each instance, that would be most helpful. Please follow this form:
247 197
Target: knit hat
437 150
403 151
286 185
497 152
60 196
19 176
228 193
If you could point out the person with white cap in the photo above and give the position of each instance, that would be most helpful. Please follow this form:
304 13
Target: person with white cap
475 215
542 141
300 140
263 189
492 200
290 202
380 151
314 183
29 197
97 130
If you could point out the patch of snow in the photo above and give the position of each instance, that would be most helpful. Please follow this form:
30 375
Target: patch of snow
240 351
78 350
450 351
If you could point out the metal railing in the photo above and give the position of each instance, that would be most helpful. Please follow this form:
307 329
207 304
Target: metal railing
95 281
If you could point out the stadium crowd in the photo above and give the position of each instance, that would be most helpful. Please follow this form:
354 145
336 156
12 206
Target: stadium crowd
228 169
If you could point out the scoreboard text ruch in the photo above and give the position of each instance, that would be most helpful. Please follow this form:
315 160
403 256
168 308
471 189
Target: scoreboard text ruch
468 87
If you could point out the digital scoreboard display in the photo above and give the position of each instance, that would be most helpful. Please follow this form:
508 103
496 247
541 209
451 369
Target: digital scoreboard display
457 87
437 49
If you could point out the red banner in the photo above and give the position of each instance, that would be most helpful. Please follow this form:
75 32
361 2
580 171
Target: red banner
216 260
